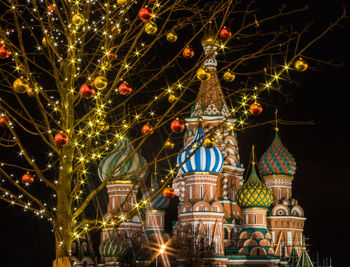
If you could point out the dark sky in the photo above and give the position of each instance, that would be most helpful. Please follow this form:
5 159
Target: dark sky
321 151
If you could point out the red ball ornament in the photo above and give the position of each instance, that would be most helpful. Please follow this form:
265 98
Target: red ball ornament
225 33
188 52
3 120
111 55
147 129
255 109
125 89
168 193
27 178
61 139
145 14
177 125
4 52
86 91
51 9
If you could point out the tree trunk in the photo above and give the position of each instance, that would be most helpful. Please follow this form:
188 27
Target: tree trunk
64 223
62 262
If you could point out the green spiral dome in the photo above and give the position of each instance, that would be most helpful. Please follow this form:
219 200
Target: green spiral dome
124 164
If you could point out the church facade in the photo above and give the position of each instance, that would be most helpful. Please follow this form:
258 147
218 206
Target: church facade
256 222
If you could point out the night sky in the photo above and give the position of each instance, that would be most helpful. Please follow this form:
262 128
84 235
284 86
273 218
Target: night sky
321 151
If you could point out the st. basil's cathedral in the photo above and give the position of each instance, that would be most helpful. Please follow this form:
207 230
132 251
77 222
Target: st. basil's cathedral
255 222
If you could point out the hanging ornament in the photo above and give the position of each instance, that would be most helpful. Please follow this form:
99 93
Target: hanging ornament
125 89
20 85
111 55
145 14
169 145
27 178
122 2
78 19
151 28
3 120
172 98
168 193
209 142
116 29
61 139
102 126
300 65
171 37
188 52
4 52
229 76
177 125
44 41
225 33
51 9
203 74
86 91
147 129
255 108
100 82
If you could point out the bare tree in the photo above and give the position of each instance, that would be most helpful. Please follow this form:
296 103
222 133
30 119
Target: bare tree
77 77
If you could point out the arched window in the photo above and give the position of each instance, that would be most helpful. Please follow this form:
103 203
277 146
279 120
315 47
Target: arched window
279 193
225 233
201 191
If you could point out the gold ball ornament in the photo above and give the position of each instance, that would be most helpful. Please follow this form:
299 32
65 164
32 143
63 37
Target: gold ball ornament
169 145
172 98
44 41
122 2
203 74
20 85
209 142
171 37
151 28
102 126
116 29
100 82
300 65
229 76
78 19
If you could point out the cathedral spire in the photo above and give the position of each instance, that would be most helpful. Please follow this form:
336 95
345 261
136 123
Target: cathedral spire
210 99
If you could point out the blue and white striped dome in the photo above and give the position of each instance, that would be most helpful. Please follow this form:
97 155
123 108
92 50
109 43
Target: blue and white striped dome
204 160
159 202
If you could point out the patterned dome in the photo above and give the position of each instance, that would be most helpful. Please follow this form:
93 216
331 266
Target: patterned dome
204 160
253 193
277 160
129 170
159 202
112 248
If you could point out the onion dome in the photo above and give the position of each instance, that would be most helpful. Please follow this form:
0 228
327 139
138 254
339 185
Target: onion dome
253 193
130 164
277 160
203 160
159 202
112 248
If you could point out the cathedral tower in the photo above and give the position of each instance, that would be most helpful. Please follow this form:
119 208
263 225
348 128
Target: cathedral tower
199 210
211 111
285 218
121 167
